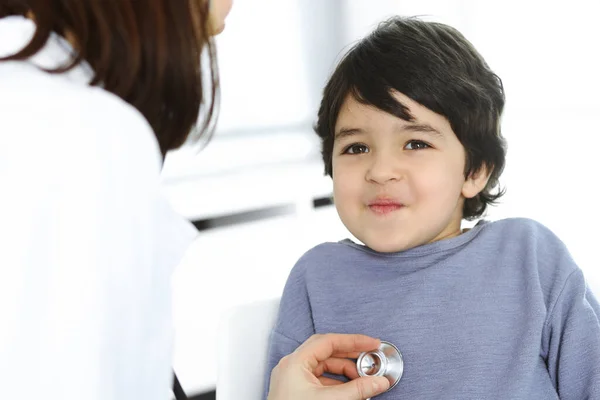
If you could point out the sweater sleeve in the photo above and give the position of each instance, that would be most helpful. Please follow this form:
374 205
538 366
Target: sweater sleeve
294 322
572 339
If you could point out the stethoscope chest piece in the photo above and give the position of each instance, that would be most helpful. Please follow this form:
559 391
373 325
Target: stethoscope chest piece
385 361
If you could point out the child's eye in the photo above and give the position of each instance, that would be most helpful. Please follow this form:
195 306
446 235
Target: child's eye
356 149
416 145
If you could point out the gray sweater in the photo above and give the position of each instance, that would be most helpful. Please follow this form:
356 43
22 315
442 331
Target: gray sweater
499 312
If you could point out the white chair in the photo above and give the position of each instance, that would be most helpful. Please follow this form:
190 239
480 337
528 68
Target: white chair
242 350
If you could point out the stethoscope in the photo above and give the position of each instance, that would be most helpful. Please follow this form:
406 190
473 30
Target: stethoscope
385 361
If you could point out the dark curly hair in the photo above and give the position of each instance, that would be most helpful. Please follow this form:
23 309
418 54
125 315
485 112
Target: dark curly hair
434 65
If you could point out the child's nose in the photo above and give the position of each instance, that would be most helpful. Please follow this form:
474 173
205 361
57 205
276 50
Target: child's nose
384 168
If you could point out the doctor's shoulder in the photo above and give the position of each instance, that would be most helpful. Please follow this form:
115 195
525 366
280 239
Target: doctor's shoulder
47 116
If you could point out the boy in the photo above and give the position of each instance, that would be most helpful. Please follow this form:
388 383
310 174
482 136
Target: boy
410 130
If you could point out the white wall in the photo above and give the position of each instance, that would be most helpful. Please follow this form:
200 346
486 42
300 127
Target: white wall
274 58
546 55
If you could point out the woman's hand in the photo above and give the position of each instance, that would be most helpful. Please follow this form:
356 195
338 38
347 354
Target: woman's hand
299 375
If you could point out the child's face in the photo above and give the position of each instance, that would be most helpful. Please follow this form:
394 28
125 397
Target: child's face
399 184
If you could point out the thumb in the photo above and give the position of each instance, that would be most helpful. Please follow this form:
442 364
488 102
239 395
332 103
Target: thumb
358 389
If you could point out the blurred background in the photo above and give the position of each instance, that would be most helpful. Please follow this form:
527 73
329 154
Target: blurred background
258 194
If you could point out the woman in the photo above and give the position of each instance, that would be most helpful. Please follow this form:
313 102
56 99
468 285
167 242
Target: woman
93 94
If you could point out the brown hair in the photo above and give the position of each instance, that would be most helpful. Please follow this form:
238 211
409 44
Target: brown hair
149 53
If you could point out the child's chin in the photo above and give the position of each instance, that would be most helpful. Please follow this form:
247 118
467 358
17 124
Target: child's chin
386 246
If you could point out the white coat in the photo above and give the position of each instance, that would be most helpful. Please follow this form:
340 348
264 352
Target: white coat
87 241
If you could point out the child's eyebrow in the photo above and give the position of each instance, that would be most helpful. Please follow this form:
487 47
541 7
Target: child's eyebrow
422 128
411 127
345 132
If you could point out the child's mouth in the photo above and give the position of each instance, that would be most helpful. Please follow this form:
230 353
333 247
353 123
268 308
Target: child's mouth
383 207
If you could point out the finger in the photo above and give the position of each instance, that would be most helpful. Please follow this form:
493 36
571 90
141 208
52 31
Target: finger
352 354
358 389
320 347
325 381
337 366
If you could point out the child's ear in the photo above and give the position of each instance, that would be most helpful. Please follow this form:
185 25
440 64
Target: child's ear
476 182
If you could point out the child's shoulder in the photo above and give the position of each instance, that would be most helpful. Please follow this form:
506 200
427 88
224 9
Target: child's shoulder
319 252
323 259
523 231
534 244
518 223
